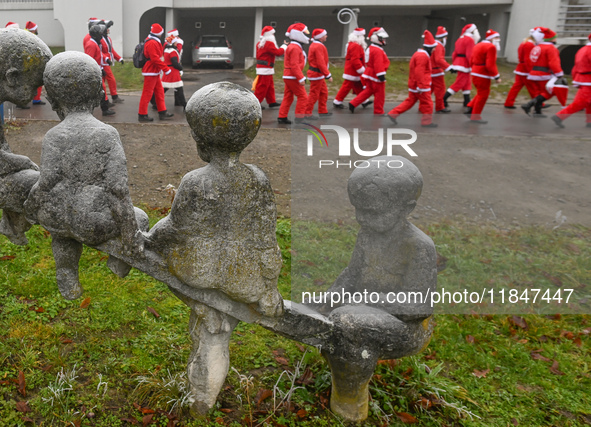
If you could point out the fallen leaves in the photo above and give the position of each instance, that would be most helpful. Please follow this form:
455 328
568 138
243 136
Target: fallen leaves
480 374
262 395
7 257
406 418
154 312
554 369
85 303
518 322
23 407
22 384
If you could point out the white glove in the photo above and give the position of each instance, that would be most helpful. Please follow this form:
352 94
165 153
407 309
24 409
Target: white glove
550 84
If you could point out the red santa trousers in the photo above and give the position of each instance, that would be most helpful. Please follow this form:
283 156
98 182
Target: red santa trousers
520 81
462 82
425 106
265 89
38 96
378 90
582 101
540 89
110 78
482 86
152 86
293 88
347 87
318 92
438 89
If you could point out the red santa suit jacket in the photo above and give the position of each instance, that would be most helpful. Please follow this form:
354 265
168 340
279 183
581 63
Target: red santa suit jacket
354 62
462 54
92 48
545 62
419 73
438 63
108 49
376 63
172 59
294 63
153 51
266 57
582 69
318 62
524 66
484 60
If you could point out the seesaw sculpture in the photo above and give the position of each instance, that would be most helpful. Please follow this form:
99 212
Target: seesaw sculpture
216 250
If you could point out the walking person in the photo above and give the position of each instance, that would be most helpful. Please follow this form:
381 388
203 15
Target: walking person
34 28
522 72
438 68
267 52
174 81
112 57
318 73
461 65
93 48
353 69
153 51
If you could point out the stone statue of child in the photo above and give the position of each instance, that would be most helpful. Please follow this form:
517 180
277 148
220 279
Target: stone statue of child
21 72
220 233
391 256
82 195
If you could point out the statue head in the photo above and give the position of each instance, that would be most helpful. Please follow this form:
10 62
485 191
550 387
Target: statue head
73 83
24 56
224 118
385 192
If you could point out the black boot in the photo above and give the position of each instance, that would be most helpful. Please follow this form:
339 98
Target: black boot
527 107
105 108
466 99
447 95
538 107
164 115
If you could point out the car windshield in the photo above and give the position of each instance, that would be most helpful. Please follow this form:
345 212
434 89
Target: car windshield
213 41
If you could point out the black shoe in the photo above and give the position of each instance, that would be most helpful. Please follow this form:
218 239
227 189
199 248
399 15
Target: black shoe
283 120
445 110
392 119
351 108
262 108
274 104
468 111
478 121
558 121
365 104
311 117
539 116
325 114
510 107
545 106
466 100
527 107
447 95
339 106
164 115
23 107
39 103
144 118
110 104
117 100
430 125
108 112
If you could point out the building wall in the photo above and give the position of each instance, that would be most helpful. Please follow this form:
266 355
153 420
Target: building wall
50 30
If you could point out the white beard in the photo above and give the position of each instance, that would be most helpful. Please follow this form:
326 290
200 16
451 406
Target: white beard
299 37
475 36
270 38
360 40
497 44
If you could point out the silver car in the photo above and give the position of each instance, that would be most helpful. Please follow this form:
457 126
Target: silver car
213 50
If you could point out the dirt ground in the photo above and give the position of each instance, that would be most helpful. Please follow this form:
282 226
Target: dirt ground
502 179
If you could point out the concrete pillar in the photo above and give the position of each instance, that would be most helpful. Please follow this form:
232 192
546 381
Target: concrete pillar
347 17
258 27
169 21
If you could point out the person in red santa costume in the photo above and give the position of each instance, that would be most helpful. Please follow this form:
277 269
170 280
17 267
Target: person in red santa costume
376 66
293 74
419 84
107 46
461 57
267 51
582 79
522 72
353 69
484 70
172 58
153 51
93 48
318 73
438 68
545 70
34 28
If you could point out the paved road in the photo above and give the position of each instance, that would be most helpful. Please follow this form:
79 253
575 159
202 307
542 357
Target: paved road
501 122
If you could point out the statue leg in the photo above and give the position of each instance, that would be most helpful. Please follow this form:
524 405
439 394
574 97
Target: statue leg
117 266
66 253
14 225
210 355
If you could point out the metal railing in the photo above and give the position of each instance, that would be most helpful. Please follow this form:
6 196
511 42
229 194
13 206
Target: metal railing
574 18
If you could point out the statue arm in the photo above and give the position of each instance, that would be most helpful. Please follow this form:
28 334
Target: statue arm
12 163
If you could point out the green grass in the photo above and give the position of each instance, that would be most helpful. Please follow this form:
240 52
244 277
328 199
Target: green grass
128 77
112 360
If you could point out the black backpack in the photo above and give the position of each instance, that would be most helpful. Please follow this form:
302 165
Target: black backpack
139 60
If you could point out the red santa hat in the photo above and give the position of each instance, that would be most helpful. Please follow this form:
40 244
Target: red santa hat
174 33
31 26
94 20
359 31
441 32
491 34
468 28
156 29
429 39
318 33
298 32
12 25
589 37
549 35
267 30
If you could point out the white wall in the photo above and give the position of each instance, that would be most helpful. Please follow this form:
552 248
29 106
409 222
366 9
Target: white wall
527 14
50 30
